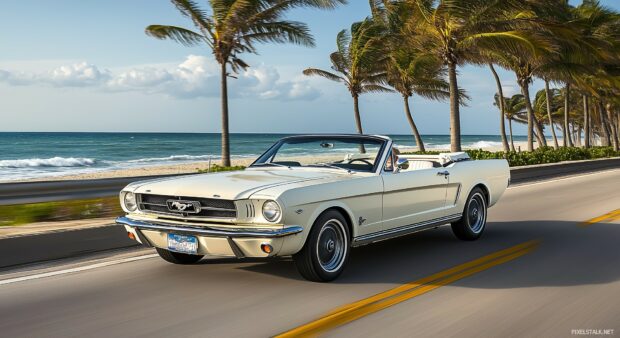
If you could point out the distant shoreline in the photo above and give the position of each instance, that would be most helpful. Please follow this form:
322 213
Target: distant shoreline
51 155
171 169
234 133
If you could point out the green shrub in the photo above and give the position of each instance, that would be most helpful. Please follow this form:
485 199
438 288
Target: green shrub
59 211
217 168
541 155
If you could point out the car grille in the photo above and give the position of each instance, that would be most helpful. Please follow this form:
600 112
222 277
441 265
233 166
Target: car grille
209 207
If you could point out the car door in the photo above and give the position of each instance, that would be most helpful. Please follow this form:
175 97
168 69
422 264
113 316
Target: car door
456 191
414 196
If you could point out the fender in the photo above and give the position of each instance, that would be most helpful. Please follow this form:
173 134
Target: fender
324 206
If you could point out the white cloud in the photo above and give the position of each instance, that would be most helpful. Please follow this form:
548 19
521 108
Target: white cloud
196 76
77 75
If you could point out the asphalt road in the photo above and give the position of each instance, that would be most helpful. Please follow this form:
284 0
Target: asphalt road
567 279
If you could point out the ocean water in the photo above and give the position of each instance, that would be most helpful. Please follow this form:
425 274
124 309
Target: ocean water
36 155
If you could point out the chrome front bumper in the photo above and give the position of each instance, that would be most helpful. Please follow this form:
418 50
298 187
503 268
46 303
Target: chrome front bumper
211 231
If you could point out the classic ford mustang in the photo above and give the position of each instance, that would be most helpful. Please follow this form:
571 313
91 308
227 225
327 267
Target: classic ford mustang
313 197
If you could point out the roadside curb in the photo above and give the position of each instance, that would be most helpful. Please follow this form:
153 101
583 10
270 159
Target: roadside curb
41 247
526 174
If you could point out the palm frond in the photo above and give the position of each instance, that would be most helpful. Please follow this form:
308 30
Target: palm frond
374 88
181 35
280 32
199 17
323 73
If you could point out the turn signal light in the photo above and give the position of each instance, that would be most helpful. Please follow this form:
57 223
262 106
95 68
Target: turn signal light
266 248
131 235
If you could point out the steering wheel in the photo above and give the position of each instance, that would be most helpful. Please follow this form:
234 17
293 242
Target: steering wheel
361 160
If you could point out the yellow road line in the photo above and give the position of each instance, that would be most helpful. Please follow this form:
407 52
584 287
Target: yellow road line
607 217
407 291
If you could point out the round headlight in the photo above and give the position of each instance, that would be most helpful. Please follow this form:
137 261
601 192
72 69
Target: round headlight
271 211
130 201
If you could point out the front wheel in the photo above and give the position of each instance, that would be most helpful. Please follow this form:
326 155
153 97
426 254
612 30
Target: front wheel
324 256
473 222
177 257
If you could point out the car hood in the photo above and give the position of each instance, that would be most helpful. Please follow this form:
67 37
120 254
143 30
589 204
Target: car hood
233 184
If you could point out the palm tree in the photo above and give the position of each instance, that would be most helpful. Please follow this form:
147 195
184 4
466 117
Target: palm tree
233 27
502 109
457 31
409 70
586 39
359 61
514 107
548 99
572 113
548 102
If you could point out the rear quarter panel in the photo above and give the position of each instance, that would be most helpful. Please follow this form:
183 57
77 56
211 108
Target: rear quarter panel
494 175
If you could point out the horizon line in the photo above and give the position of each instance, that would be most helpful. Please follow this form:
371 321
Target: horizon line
216 133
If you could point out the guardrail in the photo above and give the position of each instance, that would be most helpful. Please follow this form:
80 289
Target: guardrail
33 192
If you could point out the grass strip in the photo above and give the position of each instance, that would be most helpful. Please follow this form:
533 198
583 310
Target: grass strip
59 211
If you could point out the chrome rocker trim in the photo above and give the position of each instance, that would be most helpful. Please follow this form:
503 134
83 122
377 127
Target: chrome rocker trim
209 231
404 230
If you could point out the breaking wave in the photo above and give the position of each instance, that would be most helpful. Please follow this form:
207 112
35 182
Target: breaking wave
484 144
174 158
48 162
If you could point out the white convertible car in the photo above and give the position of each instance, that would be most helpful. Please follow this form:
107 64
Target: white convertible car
313 197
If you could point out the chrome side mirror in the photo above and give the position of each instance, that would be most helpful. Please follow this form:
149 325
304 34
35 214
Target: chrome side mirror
402 164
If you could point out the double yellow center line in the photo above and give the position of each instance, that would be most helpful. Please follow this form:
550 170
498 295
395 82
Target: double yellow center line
378 302
610 216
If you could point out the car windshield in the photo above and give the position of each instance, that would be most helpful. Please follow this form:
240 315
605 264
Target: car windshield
348 153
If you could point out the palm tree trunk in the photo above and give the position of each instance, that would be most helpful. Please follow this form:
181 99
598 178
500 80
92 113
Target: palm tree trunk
617 147
604 124
414 128
500 93
548 95
617 131
525 90
512 144
225 133
615 126
358 118
540 134
586 121
455 115
576 141
567 139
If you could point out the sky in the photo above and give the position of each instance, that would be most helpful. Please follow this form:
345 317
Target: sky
87 66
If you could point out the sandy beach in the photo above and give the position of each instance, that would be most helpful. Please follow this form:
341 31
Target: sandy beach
182 168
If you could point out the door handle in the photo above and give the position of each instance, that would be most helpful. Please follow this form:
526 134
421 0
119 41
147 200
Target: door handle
443 173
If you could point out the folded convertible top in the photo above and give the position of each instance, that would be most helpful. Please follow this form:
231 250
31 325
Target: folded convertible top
447 158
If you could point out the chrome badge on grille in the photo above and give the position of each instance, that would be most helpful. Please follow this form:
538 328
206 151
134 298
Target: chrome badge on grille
190 207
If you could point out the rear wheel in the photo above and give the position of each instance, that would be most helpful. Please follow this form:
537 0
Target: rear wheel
177 257
473 222
324 256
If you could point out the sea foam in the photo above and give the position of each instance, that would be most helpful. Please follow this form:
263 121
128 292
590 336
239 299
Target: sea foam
484 144
47 162
173 158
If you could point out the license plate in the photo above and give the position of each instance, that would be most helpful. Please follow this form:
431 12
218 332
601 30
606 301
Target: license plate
182 243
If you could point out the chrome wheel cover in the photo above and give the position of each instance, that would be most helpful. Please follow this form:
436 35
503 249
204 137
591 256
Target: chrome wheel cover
476 213
332 245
